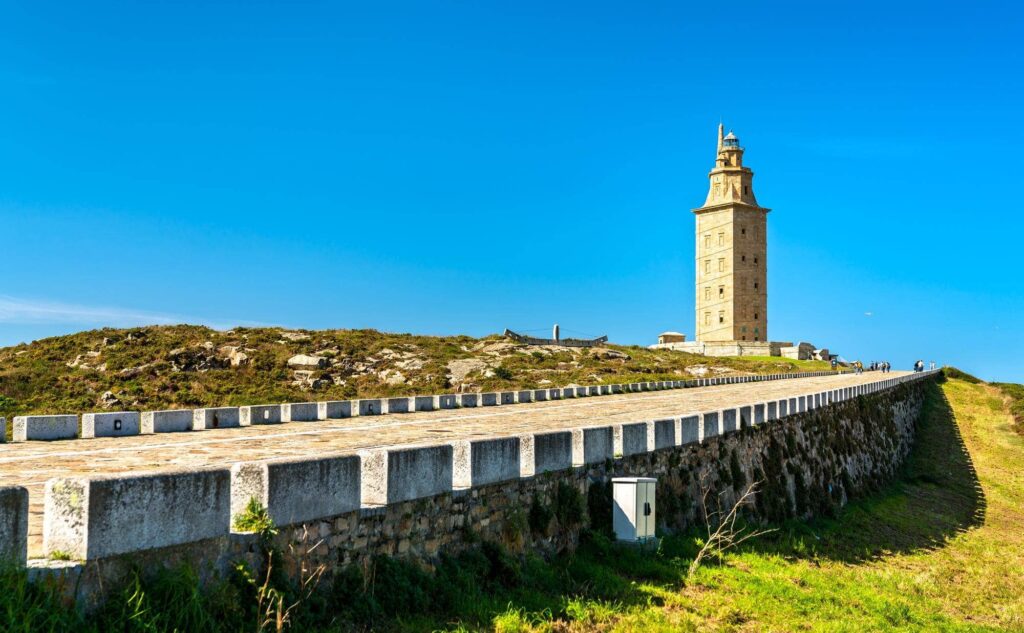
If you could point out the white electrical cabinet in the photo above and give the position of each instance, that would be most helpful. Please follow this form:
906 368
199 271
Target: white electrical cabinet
633 508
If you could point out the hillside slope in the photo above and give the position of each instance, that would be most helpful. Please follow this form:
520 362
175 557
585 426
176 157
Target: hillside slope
189 366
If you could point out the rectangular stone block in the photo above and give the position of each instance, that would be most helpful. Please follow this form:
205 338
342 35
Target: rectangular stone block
92 518
592 445
605 389
746 418
3 430
446 401
554 394
482 462
729 420
469 400
783 408
594 390
113 424
759 413
396 405
544 452
259 414
298 490
689 429
44 427
664 433
402 474
13 525
524 396
488 399
793 406
632 439
216 418
710 425
568 392
169 421
508 397
582 392
300 412
616 388
801 404
369 406
423 403
540 395
333 410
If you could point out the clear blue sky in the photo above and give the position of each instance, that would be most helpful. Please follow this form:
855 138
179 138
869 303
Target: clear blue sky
464 167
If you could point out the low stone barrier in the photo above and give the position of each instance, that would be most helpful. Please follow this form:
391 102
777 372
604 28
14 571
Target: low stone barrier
468 400
664 435
13 524
259 414
632 439
446 401
423 403
368 406
333 410
507 397
481 462
90 518
114 424
488 399
168 421
298 490
729 421
300 412
217 418
710 425
592 445
402 474
540 395
689 429
396 405
524 396
544 452
44 427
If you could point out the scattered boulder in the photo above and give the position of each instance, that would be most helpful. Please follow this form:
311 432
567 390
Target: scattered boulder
234 355
460 368
604 353
195 359
109 400
295 336
304 361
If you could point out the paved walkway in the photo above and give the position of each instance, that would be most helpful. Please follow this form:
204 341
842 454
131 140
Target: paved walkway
30 464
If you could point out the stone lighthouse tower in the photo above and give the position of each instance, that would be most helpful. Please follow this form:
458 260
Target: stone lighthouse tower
732 253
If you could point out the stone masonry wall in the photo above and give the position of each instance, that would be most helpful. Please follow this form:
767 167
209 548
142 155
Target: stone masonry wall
809 464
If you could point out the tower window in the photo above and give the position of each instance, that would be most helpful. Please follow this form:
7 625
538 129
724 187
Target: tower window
707 266
755 316
707 241
721 317
721 264
743 231
745 190
755 285
755 260
707 294
743 258
721 292
721 239
707 318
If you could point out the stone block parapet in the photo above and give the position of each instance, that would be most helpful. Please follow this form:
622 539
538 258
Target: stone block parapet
113 424
44 427
13 525
482 462
91 518
399 474
216 418
168 421
298 490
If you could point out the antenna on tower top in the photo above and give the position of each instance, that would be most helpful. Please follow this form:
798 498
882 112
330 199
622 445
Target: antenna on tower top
721 130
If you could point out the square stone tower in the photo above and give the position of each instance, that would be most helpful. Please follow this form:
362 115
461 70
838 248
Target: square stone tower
732 253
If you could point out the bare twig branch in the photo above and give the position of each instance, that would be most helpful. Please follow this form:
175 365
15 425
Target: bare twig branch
724 535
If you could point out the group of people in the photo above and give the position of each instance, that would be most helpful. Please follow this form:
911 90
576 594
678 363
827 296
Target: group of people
919 365
883 366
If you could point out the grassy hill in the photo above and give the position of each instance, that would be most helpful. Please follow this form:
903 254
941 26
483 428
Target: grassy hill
190 366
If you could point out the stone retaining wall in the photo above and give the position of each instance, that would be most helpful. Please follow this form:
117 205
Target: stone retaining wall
413 501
